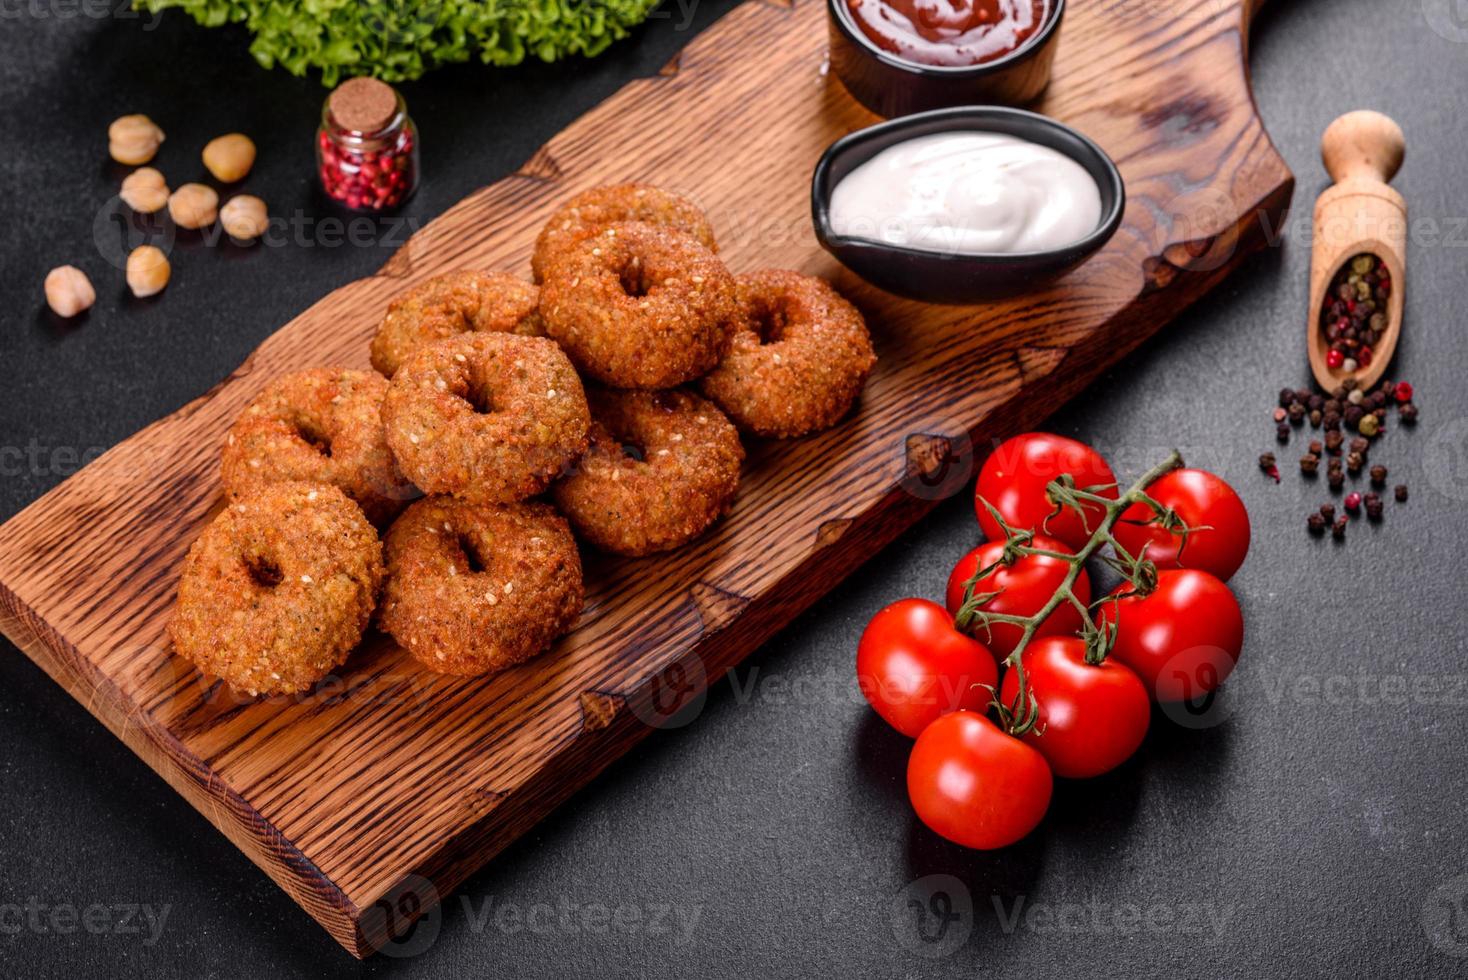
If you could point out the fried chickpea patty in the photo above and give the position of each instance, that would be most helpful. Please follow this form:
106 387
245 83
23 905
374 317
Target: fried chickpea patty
637 306
591 211
489 417
455 303
798 360
662 467
475 589
278 589
322 426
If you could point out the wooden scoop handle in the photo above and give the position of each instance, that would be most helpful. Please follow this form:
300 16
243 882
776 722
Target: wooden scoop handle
1363 145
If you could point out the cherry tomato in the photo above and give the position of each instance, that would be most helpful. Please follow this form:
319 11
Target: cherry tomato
1024 589
1201 500
1184 639
1014 478
975 785
1092 717
913 666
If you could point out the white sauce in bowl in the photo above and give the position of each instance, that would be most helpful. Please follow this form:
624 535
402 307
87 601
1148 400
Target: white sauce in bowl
968 193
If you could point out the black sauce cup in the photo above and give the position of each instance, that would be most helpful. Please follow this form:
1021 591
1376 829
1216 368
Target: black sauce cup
891 86
954 277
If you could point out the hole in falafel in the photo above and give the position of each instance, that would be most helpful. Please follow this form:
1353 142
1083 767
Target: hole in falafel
472 558
312 435
263 572
634 279
480 398
769 321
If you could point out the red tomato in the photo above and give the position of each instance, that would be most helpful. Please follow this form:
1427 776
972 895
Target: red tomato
1027 585
1201 500
975 785
1014 478
1092 717
1184 639
913 666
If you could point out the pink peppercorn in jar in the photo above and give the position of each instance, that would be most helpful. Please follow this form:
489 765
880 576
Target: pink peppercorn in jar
367 146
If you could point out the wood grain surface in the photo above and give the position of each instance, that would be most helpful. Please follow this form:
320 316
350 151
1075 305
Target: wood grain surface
383 788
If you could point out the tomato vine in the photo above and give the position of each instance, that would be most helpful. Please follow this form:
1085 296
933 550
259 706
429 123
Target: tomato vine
1022 715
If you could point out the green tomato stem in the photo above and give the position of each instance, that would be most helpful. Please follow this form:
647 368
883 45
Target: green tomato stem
1021 717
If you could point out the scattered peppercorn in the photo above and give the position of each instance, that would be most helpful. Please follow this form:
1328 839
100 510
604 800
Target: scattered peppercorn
1364 411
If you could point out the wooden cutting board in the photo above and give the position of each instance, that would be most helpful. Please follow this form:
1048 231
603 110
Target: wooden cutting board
388 778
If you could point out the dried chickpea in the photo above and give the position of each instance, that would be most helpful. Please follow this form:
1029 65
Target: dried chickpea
133 140
244 217
147 271
68 291
144 190
193 206
229 157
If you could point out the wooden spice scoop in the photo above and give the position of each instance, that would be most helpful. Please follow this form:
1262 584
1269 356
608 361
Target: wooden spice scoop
1360 214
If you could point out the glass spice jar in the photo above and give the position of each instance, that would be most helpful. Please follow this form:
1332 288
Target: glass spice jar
367 146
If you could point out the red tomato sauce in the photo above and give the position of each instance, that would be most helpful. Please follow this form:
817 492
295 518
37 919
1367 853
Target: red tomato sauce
950 33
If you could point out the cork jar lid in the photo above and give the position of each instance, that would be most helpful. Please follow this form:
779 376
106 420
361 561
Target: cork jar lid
363 105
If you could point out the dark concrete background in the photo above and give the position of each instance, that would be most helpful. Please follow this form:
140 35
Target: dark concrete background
1313 826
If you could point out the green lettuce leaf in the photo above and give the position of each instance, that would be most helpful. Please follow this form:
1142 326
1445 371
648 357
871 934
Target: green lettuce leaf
399 40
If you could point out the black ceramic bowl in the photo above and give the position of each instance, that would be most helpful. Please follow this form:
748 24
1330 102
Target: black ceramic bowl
891 86
949 277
